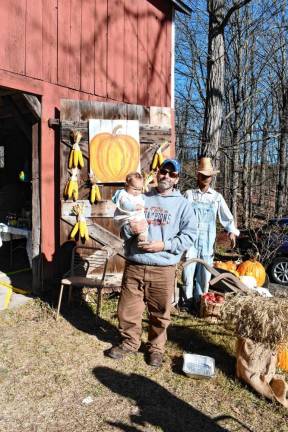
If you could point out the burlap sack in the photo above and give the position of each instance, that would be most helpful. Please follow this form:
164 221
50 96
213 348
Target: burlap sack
256 365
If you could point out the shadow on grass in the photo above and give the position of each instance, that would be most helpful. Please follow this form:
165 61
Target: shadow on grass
156 406
197 338
82 316
191 339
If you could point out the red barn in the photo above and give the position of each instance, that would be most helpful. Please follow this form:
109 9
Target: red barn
68 61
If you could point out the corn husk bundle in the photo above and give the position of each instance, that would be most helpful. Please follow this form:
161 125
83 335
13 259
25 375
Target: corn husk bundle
158 158
71 188
148 178
80 227
263 320
76 157
94 192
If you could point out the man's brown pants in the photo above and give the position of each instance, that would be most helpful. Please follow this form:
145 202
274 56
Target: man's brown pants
153 286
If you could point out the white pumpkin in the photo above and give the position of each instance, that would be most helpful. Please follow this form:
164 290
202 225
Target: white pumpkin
249 281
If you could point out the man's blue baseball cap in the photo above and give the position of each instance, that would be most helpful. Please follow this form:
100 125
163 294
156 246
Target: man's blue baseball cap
176 164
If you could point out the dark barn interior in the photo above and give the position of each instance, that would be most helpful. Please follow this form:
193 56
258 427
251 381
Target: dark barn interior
16 120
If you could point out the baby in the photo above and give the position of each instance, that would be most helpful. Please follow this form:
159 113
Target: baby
130 203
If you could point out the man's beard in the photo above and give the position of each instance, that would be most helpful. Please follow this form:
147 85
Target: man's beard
164 185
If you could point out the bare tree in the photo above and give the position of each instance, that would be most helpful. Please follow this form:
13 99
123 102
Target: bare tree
213 118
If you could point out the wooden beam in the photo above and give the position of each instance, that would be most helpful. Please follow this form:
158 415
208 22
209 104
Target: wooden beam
52 122
36 212
100 235
104 208
33 104
6 92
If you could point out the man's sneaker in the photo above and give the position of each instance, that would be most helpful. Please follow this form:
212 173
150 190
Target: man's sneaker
155 359
119 352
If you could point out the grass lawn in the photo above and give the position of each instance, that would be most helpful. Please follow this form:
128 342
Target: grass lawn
48 368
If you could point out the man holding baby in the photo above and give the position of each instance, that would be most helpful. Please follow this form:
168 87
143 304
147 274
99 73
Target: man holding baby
149 274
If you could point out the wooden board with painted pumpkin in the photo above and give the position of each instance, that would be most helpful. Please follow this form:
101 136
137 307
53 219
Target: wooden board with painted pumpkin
114 149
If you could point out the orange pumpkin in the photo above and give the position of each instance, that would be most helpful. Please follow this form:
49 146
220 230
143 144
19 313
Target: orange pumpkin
227 265
113 156
283 358
253 268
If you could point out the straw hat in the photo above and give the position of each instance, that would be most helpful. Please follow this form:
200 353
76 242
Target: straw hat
205 167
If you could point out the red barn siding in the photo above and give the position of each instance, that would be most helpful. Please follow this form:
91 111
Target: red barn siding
87 46
130 50
89 50
74 61
33 37
12 36
64 40
142 51
116 49
49 40
101 28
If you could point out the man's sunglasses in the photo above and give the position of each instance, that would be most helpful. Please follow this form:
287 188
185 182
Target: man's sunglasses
171 174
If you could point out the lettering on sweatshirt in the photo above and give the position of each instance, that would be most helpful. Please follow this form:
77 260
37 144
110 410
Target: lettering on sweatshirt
157 216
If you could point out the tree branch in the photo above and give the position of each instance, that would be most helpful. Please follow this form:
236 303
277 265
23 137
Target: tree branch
231 11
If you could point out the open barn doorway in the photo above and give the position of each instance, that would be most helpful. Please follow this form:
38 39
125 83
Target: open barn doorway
20 115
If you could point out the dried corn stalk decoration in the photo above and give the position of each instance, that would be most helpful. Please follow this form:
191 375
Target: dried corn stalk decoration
94 192
71 188
80 227
76 157
148 178
158 158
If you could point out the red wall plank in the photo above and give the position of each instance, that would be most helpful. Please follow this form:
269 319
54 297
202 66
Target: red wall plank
115 69
12 36
50 16
130 51
142 49
63 42
156 41
87 45
168 56
34 39
75 46
101 34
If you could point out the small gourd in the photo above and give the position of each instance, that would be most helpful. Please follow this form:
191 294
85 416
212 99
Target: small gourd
226 265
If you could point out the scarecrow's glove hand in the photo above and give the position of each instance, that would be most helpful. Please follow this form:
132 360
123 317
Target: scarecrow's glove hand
232 238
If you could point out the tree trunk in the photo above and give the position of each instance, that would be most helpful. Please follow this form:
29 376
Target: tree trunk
211 135
280 193
263 163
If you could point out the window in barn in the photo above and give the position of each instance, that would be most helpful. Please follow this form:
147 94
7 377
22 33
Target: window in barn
2 164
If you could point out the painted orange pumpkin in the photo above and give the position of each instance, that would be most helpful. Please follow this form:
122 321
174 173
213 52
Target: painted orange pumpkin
283 358
113 156
253 268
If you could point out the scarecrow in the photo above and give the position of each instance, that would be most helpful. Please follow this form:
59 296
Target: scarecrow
207 204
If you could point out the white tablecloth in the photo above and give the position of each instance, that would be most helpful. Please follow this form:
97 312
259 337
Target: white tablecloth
8 233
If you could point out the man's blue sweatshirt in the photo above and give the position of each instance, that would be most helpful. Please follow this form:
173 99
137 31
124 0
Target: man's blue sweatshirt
171 219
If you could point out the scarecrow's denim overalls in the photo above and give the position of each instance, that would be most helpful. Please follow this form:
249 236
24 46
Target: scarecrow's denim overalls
195 275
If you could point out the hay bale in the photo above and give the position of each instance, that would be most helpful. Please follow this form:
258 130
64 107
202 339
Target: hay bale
263 320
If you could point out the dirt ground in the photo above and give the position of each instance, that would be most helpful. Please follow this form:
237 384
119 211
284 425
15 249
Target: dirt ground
48 369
